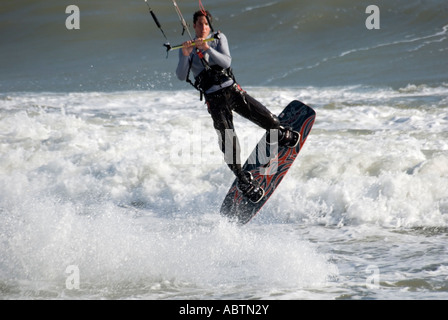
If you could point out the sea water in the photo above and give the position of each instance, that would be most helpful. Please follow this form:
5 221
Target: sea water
111 177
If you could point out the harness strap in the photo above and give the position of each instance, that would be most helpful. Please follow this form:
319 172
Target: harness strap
195 85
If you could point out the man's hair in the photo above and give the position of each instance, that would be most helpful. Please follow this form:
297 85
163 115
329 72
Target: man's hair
200 13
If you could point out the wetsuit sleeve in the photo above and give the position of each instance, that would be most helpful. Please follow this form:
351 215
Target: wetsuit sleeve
182 66
221 55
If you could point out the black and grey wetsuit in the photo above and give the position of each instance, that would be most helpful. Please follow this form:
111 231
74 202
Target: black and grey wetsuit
225 97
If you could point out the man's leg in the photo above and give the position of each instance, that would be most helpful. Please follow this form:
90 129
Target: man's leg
256 112
229 144
228 141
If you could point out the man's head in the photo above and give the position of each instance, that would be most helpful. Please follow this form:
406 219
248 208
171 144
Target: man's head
200 23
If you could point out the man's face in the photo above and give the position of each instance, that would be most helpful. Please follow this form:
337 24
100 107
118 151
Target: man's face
201 27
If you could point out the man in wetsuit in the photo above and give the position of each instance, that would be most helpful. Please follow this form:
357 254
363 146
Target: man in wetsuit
210 64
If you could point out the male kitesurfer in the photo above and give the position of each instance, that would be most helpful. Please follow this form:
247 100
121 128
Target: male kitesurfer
210 61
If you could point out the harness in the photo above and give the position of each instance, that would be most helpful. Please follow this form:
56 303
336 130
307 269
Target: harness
210 76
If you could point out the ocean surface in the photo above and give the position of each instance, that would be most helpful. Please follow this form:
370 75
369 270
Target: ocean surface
111 178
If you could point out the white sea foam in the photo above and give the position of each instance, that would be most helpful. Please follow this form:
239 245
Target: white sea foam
96 180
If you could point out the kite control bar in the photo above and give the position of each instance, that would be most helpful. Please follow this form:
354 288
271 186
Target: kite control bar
180 46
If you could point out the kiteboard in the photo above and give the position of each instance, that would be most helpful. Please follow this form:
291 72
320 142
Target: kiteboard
269 163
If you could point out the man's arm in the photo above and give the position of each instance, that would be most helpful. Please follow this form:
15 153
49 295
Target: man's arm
182 66
221 55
